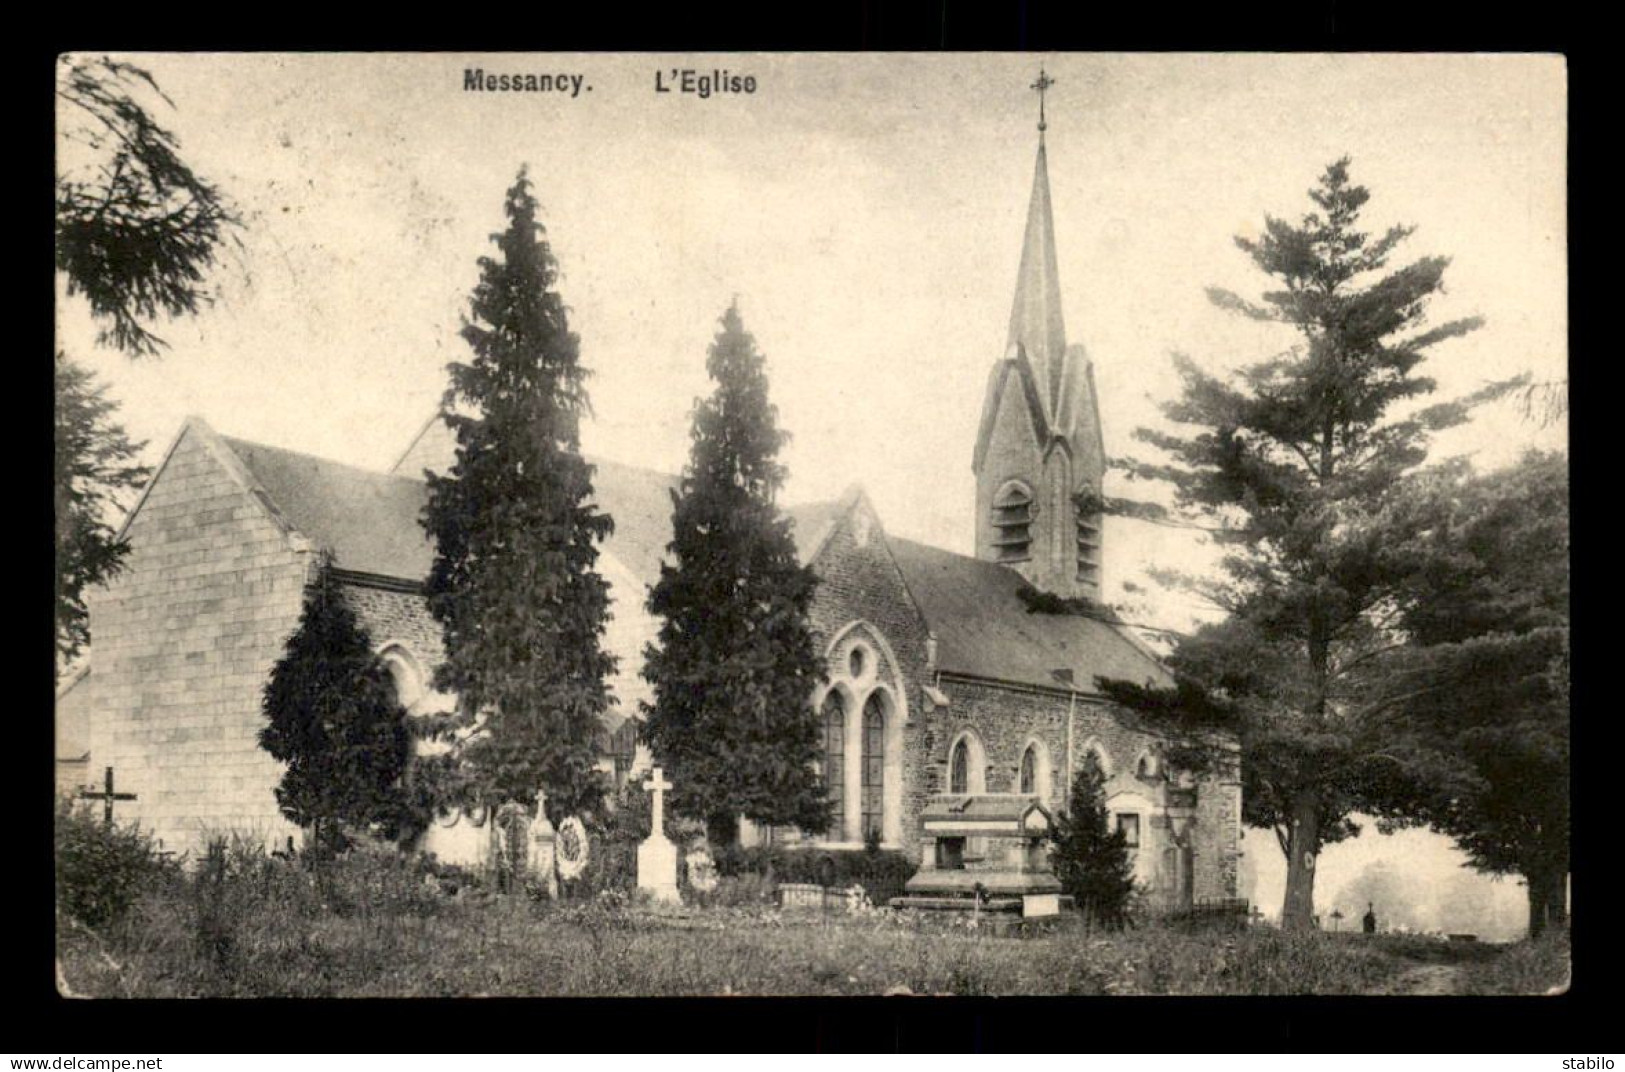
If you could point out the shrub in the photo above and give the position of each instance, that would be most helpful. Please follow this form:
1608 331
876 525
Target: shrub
377 879
1541 966
881 873
613 837
101 868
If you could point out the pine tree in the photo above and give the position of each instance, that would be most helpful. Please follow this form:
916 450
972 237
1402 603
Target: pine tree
136 228
1090 858
516 532
735 666
94 462
333 717
1295 464
1486 675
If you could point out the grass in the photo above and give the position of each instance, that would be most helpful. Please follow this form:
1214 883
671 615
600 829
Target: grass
1542 966
376 924
509 946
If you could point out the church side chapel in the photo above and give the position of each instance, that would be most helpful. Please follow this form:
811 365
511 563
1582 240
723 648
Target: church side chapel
943 681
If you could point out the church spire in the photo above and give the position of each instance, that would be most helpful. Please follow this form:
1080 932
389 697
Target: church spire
1039 456
1035 320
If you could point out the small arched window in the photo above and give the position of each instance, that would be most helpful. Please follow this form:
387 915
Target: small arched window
1029 770
835 762
1012 522
1146 766
959 768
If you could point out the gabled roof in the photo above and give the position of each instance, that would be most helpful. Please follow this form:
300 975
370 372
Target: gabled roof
998 382
370 519
985 630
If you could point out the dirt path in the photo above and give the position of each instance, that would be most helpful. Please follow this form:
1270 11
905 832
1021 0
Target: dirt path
1427 980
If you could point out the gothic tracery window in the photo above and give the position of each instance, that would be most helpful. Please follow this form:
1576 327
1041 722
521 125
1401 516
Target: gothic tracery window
874 766
835 761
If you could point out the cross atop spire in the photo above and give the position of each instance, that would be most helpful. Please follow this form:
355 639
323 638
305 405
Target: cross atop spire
1043 83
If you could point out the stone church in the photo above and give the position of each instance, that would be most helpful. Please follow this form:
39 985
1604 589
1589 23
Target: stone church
941 679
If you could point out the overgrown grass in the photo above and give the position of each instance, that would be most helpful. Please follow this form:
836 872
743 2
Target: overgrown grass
1542 966
375 924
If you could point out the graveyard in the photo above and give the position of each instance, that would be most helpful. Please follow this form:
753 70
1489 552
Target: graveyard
374 922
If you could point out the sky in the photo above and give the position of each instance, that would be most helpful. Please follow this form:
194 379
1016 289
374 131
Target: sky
865 210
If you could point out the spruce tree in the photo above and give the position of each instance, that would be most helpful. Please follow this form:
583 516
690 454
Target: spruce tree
735 664
516 532
95 464
1090 858
1296 464
333 717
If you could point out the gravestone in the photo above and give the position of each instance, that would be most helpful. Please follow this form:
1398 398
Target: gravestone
657 856
702 869
107 797
543 842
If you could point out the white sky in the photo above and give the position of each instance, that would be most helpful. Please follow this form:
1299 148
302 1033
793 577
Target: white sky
867 210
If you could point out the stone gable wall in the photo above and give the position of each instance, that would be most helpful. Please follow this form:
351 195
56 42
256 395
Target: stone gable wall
184 639
859 581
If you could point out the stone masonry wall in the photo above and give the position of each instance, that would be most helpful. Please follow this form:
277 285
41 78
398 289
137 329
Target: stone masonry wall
184 639
1005 719
393 616
859 581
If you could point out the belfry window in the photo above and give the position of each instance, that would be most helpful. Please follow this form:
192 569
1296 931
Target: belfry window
1012 522
835 761
1089 522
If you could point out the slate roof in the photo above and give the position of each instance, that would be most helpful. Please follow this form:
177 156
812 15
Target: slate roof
370 519
985 630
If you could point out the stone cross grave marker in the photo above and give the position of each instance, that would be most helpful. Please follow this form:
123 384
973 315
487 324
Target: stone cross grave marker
657 856
106 796
657 787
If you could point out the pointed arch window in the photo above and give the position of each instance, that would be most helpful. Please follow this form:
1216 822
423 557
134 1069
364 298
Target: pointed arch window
1029 770
959 769
835 761
874 765
1012 522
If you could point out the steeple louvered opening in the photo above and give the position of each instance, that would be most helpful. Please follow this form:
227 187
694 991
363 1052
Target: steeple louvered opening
1012 522
1089 540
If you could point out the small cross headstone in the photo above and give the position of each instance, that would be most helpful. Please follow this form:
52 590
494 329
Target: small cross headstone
658 786
106 796
657 856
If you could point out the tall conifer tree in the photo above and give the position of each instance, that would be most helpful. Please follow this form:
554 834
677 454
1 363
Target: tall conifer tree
1296 463
735 666
95 465
333 717
1485 677
514 583
1090 858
